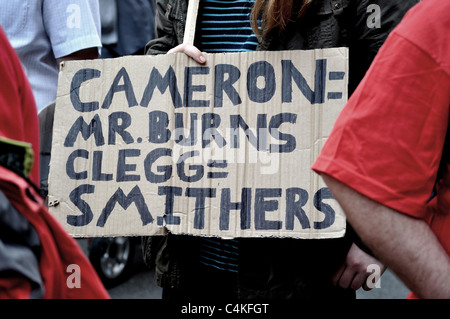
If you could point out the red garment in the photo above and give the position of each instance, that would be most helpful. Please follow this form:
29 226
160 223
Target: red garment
19 118
58 249
19 122
14 288
387 142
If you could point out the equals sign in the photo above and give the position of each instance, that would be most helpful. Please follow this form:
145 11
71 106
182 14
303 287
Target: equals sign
335 76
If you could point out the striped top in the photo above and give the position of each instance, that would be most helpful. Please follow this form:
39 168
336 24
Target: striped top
225 27
222 254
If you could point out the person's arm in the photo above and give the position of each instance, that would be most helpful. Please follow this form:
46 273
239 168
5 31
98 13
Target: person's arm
167 40
73 30
405 244
85 54
354 273
168 23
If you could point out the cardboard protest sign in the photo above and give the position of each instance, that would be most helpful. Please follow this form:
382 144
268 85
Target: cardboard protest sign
148 143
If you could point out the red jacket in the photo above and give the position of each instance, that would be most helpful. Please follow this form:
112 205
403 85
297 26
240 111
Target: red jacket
58 249
37 256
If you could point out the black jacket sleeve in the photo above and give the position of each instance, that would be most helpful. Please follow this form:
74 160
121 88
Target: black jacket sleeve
170 20
373 22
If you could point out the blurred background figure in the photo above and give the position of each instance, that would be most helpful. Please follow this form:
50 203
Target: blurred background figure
127 26
45 33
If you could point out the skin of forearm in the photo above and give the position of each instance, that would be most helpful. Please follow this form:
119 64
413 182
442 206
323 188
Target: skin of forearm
405 244
85 54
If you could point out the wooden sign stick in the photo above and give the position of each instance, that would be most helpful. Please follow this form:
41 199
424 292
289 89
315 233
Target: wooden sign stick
191 20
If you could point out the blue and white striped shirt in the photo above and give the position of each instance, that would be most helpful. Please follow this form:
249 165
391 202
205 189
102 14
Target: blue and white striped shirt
225 26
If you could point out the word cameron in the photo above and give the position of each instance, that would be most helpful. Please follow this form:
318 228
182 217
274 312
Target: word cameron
225 79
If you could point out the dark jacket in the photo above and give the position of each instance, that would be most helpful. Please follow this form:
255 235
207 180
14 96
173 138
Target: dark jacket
281 268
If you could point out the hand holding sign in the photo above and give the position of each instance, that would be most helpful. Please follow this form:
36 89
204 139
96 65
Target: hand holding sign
190 50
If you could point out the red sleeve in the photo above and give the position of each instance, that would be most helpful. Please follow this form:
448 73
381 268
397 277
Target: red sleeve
14 288
19 120
387 141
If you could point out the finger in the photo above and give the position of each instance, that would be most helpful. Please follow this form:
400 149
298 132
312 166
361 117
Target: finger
370 284
190 51
346 278
337 275
359 280
366 287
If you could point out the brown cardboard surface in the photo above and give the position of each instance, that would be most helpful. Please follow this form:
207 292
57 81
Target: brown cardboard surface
146 144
